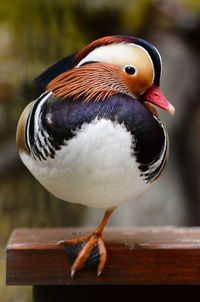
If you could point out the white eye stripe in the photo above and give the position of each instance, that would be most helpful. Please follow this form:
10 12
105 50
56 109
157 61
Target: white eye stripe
113 54
107 54
96 55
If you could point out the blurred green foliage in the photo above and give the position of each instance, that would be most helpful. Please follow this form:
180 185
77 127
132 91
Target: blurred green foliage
42 31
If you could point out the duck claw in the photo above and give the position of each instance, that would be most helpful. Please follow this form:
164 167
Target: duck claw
85 252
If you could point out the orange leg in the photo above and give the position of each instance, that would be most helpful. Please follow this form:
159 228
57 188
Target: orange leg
87 251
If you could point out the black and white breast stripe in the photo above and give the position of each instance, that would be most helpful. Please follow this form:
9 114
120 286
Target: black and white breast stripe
38 140
151 170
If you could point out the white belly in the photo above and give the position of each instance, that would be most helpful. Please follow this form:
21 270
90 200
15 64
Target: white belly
94 168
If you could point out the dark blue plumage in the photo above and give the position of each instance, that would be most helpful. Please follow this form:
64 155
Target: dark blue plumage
62 118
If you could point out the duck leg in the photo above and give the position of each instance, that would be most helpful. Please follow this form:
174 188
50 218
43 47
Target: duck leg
88 250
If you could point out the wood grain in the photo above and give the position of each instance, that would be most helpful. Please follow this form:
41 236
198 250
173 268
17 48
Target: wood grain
152 255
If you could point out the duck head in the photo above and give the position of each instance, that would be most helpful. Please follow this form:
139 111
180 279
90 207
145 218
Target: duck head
113 64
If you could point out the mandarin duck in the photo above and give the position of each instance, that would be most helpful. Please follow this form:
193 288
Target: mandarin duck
93 137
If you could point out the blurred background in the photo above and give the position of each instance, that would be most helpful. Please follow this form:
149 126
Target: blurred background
33 35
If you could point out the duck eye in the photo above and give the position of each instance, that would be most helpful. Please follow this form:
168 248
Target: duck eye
130 69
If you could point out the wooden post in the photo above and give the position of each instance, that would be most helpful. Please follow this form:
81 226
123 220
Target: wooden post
136 256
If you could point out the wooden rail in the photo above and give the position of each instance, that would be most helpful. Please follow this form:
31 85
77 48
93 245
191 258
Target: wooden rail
136 256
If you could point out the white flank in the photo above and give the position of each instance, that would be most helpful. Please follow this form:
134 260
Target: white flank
94 168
